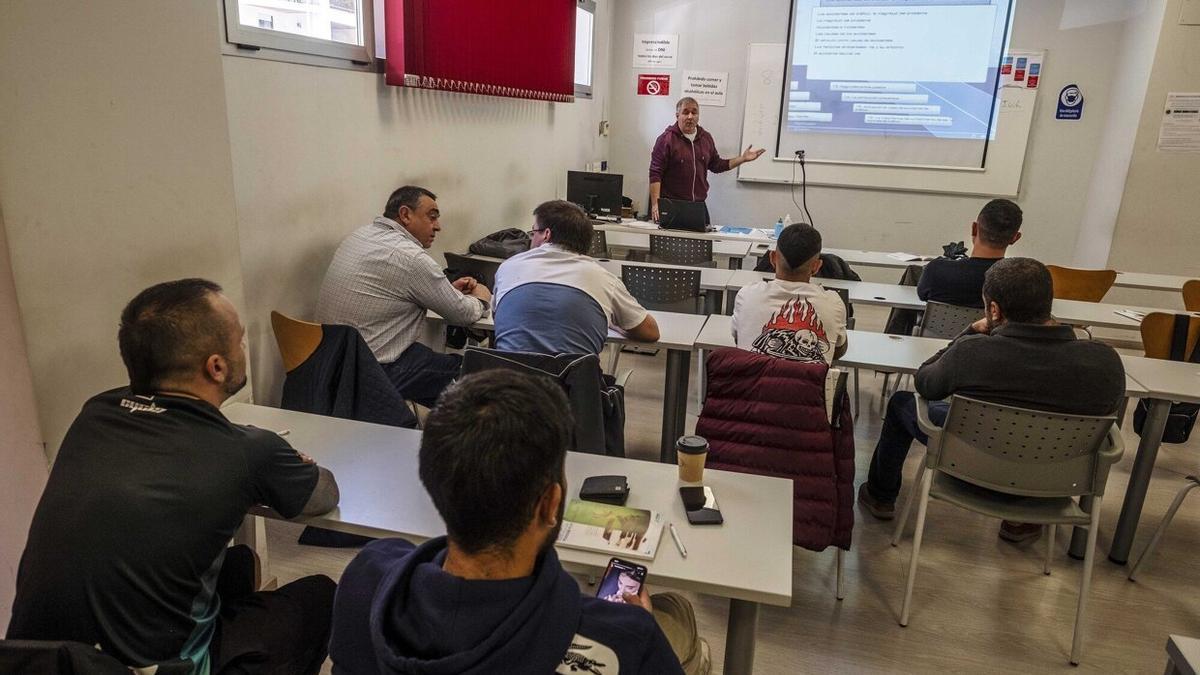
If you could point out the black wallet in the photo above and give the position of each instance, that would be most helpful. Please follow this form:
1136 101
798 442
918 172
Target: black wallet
605 489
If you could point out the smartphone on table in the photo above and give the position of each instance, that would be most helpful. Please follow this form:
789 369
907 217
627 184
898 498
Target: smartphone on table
700 504
620 578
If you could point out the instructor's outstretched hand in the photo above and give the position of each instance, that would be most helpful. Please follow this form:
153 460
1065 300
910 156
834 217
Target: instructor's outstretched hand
751 154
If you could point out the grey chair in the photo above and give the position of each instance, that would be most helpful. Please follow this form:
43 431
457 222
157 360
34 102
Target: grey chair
598 248
942 320
664 289
681 250
1192 483
1020 465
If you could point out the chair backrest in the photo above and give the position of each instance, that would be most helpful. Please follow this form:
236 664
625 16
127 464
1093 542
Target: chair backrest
578 374
664 288
297 339
1076 284
942 320
680 250
598 248
483 271
1021 451
1191 295
844 294
1158 335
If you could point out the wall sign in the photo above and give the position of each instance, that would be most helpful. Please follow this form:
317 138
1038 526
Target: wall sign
1070 103
706 86
1180 128
655 50
653 85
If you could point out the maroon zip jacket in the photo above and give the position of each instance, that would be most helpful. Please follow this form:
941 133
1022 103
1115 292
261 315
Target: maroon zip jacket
682 166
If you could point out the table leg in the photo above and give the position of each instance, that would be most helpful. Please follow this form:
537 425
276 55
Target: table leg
1139 480
740 637
253 533
675 392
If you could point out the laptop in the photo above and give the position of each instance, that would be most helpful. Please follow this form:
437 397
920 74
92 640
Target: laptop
680 214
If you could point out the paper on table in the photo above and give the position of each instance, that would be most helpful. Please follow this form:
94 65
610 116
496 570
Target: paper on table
643 225
1130 314
904 257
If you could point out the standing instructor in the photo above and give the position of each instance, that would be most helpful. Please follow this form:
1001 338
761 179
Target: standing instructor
682 157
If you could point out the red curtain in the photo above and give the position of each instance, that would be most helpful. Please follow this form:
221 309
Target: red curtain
522 49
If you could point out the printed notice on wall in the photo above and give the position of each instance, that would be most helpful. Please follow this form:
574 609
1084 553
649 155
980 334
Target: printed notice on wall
655 50
706 86
1180 130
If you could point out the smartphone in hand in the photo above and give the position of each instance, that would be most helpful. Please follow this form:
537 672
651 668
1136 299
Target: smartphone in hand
620 578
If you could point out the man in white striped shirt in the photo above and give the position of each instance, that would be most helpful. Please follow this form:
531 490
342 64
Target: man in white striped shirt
381 281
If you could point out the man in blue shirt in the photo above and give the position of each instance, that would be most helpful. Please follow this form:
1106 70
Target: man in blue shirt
554 299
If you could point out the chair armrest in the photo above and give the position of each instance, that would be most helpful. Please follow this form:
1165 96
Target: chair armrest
623 376
932 430
1107 457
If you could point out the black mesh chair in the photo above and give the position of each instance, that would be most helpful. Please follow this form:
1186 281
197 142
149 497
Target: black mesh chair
664 288
597 404
482 270
942 320
599 245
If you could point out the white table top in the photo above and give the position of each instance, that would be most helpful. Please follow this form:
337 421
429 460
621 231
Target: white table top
748 558
1074 312
639 238
1161 378
1185 654
892 353
676 331
1152 282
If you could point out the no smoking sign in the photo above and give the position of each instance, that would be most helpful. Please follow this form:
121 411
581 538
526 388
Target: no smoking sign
653 85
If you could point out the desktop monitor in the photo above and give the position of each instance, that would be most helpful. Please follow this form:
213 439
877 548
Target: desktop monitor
598 193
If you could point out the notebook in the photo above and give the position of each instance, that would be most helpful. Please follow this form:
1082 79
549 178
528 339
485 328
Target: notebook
619 531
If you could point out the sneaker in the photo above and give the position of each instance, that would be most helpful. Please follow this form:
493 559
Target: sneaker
1019 532
881 510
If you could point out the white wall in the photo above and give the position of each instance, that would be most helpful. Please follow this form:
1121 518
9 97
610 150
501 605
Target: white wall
714 35
1159 223
24 473
316 151
114 174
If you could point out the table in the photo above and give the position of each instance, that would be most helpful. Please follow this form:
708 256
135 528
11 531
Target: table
1151 282
1073 312
376 470
1164 381
1183 655
677 334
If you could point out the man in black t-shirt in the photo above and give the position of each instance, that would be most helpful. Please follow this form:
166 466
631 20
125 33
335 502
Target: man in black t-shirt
127 549
960 282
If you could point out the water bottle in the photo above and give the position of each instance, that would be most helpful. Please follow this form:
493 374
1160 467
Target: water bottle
787 220
778 228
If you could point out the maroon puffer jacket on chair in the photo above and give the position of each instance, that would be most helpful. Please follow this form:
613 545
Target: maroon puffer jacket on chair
766 415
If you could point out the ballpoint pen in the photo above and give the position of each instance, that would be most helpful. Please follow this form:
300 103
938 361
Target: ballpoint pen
678 543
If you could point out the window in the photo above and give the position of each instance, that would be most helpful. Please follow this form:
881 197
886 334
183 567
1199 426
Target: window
585 30
339 29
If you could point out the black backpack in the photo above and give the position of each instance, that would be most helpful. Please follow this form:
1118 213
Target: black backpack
503 244
1182 417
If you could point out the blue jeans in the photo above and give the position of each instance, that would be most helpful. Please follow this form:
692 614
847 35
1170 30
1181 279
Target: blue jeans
420 374
899 430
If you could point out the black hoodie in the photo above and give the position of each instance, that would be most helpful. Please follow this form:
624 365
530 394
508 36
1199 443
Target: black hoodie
397 611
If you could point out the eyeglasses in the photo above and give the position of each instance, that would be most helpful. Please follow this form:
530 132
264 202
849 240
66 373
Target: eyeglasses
536 230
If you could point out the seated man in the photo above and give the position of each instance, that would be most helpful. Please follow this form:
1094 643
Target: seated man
1016 355
127 549
381 281
554 299
960 282
790 316
491 596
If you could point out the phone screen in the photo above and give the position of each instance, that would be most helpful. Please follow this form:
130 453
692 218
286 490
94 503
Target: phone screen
620 578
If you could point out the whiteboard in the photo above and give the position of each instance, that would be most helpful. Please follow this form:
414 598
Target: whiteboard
1001 176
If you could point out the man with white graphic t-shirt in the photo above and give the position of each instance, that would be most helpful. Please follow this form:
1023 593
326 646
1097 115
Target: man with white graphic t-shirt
789 316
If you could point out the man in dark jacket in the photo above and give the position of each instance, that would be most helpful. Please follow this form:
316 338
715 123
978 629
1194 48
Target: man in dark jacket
1016 355
683 155
491 596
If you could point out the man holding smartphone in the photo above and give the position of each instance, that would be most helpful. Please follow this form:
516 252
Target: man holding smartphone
491 596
